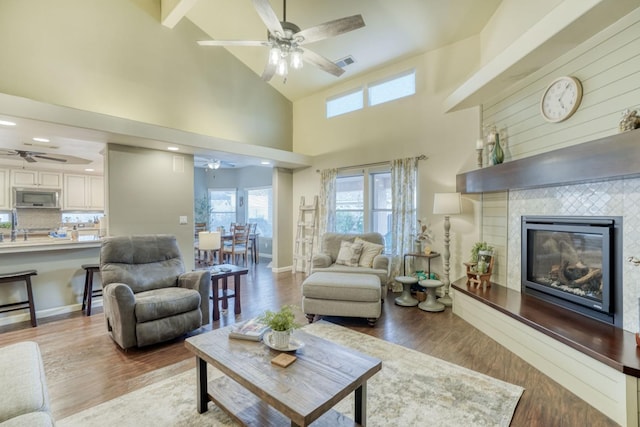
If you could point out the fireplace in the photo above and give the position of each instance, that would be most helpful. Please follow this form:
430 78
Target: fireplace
575 262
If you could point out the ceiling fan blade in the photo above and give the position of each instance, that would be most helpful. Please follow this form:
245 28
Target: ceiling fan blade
268 16
232 43
321 62
55 159
269 71
330 29
29 159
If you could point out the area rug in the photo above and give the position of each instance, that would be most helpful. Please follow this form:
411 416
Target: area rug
412 389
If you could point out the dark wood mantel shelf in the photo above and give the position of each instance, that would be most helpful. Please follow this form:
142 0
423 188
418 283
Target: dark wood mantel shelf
612 346
612 157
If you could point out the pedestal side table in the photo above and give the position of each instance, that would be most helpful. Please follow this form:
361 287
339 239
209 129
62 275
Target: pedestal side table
405 299
431 303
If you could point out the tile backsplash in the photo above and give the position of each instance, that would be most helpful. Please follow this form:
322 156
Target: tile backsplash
38 219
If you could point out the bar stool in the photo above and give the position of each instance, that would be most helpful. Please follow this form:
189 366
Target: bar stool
88 286
20 305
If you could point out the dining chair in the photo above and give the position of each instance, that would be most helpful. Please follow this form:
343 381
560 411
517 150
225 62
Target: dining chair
239 245
253 249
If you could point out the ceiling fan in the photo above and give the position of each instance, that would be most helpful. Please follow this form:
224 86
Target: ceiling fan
31 156
286 40
214 164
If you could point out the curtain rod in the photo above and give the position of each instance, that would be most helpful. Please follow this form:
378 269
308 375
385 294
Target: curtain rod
420 157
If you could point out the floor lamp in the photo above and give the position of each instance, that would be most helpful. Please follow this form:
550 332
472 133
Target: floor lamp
446 204
209 241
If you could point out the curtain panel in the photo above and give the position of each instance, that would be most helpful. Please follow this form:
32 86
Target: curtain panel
327 209
404 173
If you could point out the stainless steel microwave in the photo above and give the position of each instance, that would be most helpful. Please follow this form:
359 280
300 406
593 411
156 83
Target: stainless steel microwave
36 197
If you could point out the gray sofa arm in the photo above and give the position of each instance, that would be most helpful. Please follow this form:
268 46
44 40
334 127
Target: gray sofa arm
199 280
321 260
119 308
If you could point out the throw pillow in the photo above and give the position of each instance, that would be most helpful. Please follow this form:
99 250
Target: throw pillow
369 252
349 253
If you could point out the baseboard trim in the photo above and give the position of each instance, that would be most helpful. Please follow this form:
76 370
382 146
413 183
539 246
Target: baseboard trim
43 314
282 269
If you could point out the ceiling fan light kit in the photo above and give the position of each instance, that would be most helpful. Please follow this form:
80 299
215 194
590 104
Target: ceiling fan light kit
214 164
285 41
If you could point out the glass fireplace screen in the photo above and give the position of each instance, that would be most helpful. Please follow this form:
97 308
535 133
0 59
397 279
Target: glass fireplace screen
570 262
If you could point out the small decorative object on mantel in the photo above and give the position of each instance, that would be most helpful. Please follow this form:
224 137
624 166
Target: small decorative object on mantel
480 267
496 154
479 148
630 120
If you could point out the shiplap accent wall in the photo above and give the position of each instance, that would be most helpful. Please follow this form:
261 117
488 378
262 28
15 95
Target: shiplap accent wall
494 228
608 65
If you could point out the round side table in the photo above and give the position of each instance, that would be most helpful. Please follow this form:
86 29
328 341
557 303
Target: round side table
405 299
431 304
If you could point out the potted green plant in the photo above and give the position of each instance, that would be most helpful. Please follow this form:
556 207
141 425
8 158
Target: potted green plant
281 322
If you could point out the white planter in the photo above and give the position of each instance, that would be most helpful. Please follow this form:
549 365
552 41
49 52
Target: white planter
280 339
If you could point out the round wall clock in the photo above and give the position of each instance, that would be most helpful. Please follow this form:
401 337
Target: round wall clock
561 99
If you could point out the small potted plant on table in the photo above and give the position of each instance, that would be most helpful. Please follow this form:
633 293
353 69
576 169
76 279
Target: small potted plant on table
282 323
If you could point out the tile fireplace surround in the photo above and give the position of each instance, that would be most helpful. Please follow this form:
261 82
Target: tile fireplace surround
609 198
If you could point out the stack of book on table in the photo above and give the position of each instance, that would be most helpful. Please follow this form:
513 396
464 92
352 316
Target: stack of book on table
251 330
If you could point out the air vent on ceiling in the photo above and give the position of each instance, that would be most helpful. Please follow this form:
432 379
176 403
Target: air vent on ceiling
343 62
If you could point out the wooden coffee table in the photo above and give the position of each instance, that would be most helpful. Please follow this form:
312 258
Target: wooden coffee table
258 393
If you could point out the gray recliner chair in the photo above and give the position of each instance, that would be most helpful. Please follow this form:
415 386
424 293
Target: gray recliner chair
147 296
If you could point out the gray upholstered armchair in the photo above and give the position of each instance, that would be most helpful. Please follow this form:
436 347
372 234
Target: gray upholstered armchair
147 296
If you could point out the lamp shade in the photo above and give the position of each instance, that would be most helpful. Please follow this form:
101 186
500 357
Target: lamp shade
208 240
447 203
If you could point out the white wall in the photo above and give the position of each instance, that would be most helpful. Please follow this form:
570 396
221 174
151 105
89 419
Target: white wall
403 128
512 19
114 57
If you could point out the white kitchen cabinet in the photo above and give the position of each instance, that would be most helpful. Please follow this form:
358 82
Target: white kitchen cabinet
5 190
83 192
31 178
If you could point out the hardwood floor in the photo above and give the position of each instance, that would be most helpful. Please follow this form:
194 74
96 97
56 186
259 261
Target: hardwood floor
85 367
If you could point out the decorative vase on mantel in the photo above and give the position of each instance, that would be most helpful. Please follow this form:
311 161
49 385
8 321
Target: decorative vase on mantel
497 154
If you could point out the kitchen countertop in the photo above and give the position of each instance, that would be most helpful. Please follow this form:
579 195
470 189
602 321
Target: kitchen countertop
36 244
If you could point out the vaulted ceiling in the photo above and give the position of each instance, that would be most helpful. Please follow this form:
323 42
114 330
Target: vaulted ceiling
393 30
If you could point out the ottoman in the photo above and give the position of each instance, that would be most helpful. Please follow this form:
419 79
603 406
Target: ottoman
342 294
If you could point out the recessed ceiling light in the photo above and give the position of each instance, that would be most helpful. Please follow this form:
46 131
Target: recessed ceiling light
172 148
6 123
265 162
89 170
40 139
